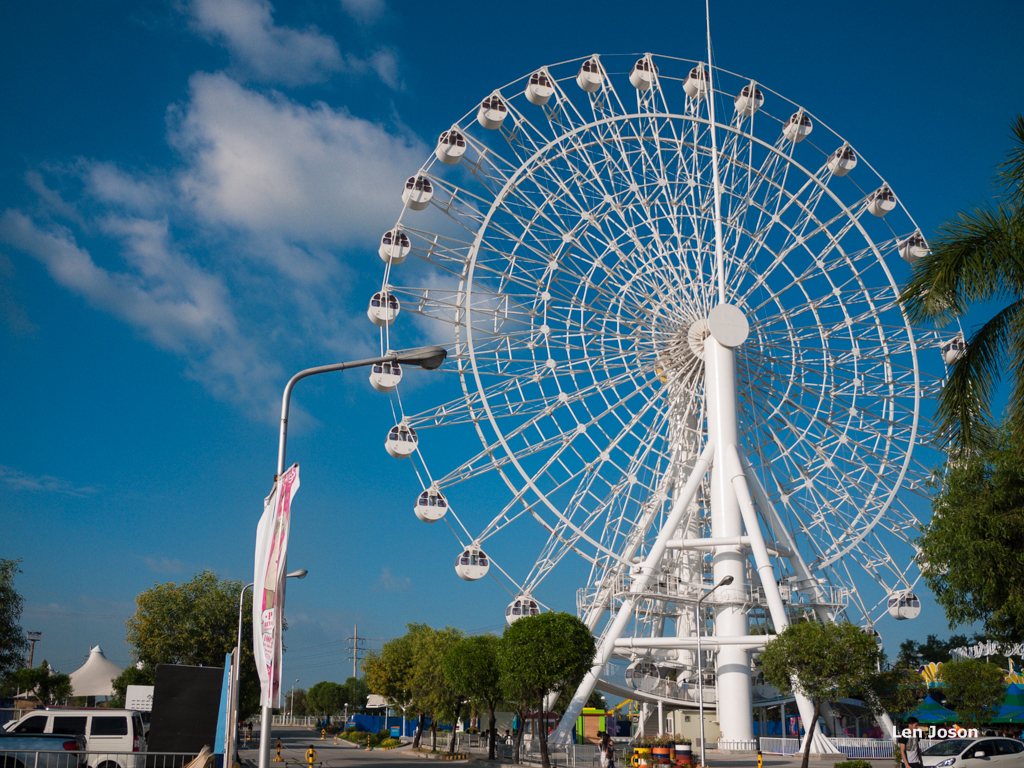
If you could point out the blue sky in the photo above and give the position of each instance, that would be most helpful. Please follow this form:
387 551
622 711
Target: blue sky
191 194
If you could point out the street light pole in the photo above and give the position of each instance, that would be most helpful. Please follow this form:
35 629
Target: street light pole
726 581
229 749
423 357
291 709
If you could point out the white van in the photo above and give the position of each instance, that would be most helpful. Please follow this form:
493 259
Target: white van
111 735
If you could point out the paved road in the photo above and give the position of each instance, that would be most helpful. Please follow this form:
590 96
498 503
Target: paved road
296 740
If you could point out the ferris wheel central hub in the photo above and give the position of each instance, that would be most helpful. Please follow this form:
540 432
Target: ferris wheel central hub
728 325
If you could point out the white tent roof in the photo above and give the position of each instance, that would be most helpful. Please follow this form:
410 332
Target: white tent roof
375 701
94 678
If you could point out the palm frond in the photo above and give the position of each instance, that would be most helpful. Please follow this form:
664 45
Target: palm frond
1011 171
964 409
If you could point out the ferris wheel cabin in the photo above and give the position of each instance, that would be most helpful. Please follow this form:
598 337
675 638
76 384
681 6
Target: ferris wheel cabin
492 112
394 246
798 127
401 441
696 83
872 632
385 377
451 146
523 605
913 248
643 73
472 564
417 193
904 605
842 161
431 505
881 201
590 76
539 89
954 349
383 309
749 100
641 669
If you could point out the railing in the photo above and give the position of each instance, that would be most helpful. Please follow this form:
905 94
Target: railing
736 746
70 759
854 748
779 745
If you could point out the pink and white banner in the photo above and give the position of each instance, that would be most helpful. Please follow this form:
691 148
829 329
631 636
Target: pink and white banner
268 590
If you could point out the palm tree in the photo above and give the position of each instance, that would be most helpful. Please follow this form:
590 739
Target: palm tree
978 257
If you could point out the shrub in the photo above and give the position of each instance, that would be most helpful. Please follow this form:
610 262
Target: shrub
853 764
350 729
383 733
390 743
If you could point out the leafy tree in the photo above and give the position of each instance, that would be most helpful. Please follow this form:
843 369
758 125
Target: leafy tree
12 639
389 673
540 654
297 702
897 690
913 653
433 692
48 686
131 676
977 258
356 693
824 662
196 623
973 688
970 551
326 698
471 666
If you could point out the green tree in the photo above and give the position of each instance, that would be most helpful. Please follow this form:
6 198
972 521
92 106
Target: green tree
974 689
196 623
356 692
326 698
471 666
824 662
48 686
389 673
897 690
971 550
131 676
977 258
913 653
12 638
434 693
541 654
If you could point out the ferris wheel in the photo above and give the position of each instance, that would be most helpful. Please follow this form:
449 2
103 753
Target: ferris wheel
606 250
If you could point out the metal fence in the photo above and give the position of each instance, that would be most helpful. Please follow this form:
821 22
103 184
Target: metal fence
65 759
853 748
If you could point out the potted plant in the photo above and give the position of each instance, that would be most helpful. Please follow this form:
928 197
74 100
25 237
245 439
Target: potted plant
684 750
660 747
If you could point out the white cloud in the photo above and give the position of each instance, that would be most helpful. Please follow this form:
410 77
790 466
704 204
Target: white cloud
391 583
19 481
365 11
231 259
312 174
266 51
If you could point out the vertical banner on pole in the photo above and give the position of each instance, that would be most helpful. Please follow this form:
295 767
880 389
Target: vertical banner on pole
269 583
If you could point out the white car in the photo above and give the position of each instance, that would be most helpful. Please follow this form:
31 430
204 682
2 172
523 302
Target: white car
994 751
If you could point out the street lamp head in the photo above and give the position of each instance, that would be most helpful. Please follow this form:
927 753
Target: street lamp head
300 574
726 581
424 357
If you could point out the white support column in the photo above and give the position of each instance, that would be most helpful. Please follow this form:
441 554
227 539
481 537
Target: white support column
733 663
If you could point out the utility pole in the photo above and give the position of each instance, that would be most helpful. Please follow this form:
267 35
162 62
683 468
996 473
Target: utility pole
356 649
33 638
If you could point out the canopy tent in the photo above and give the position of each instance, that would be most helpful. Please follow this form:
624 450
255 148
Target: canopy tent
96 676
1014 696
930 711
1008 714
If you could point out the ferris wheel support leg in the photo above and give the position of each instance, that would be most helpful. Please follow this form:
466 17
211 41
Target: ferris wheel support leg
820 744
563 734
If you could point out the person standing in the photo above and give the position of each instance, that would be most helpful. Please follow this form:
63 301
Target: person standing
910 748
